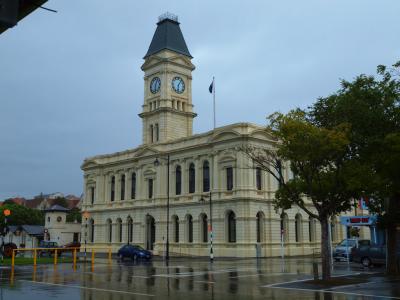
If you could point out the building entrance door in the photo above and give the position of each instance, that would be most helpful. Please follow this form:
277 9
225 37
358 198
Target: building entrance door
150 233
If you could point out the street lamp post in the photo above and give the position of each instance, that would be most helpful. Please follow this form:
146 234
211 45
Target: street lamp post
210 228
156 163
86 216
6 213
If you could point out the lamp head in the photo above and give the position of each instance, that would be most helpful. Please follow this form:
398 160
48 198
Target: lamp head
156 162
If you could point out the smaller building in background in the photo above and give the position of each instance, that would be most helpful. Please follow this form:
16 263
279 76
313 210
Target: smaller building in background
57 228
25 236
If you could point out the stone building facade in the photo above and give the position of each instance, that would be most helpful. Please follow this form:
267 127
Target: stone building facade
126 193
57 229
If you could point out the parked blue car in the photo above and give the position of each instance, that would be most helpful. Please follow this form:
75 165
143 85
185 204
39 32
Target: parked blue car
133 252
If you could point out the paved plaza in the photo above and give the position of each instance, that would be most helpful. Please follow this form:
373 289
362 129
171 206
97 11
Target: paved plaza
191 279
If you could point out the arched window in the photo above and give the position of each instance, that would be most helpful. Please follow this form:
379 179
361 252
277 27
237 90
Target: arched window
206 176
192 178
189 219
122 187
231 220
91 230
260 227
204 228
176 228
229 178
284 227
258 179
133 186
109 230
119 228
150 186
311 229
92 190
130 229
298 228
178 180
112 188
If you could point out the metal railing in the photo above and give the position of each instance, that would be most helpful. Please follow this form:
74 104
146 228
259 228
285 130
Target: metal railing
58 251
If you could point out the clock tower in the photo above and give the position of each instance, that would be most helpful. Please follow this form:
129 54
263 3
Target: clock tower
167 109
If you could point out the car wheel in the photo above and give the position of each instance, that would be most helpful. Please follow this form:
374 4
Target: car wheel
365 261
120 257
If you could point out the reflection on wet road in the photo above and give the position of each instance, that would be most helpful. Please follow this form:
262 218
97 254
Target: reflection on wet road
180 279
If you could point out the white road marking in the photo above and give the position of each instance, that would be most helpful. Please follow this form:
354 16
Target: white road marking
285 282
334 292
302 280
96 274
200 281
87 288
191 274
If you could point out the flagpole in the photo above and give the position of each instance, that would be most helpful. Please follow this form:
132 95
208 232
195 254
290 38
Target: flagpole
214 100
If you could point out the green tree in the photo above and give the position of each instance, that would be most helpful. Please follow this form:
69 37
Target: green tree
21 215
74 214
371 106
60 201
323 177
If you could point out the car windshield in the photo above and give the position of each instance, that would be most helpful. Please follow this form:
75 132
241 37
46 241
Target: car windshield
345 243
138 247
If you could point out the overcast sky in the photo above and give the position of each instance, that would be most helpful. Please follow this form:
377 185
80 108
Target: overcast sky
71 84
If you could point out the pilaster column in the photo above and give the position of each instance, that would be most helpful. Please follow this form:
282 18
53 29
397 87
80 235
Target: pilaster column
127 185
140 183
117 196
198 175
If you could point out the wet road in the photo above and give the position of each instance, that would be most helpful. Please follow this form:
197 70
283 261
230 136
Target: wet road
188 279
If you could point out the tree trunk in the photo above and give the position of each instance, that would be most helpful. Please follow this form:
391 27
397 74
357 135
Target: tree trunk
325 249
393 263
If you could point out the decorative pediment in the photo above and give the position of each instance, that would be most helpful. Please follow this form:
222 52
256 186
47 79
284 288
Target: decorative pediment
149 171
227 155
182 60
146 151
262 134
151 60
223 136
89 164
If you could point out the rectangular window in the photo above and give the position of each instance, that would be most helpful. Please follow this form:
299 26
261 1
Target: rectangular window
258 178
229 178
157 133
151 134
123 187
112 188
92 190
133 186
150 188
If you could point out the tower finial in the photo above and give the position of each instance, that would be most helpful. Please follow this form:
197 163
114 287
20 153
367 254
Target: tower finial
169 16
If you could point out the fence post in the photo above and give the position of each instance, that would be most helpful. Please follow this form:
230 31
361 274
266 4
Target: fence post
93 256
55 256
13 258
74 258
34 257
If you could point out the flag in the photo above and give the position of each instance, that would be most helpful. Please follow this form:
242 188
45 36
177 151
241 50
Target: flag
211 88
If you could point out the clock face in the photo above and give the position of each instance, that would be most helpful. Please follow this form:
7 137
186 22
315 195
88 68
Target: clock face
155 85
178 85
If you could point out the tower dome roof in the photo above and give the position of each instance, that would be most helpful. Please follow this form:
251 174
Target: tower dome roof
169 36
